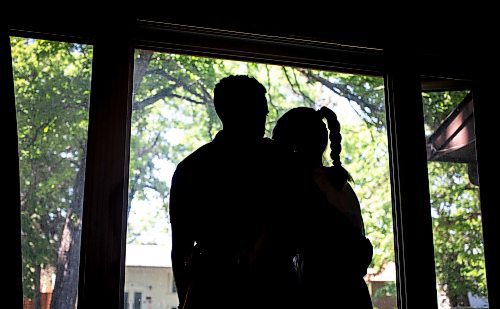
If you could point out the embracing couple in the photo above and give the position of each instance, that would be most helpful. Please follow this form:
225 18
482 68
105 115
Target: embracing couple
261 223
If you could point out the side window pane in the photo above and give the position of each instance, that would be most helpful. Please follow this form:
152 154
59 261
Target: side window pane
454 191
52 87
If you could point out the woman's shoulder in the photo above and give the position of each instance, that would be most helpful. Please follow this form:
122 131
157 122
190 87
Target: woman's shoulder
342 194
329 177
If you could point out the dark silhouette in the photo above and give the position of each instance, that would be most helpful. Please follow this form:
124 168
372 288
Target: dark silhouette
335 253
232 208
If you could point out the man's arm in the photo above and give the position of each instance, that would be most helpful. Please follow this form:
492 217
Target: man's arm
182 240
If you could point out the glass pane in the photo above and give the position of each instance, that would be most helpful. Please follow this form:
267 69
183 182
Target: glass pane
52 86
137 300
173 115
454 190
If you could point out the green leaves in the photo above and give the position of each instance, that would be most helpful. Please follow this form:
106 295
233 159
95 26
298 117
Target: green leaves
457 230
52 84
183 118
173 115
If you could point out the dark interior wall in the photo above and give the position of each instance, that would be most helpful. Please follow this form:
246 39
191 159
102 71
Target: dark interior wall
453 41
430 32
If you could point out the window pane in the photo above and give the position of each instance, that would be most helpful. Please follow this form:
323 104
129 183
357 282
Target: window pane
52 86
454 190
173 115
137 300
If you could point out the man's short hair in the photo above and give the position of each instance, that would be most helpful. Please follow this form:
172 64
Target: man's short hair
234 93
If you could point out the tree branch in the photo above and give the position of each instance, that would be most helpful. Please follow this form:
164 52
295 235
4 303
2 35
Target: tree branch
269 96
179 83
140 68
311 102
189 99
341 90
138 105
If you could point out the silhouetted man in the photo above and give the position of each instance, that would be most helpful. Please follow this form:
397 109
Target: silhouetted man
232 204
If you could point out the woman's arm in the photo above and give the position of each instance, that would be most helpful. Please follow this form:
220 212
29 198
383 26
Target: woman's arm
344 200
353 208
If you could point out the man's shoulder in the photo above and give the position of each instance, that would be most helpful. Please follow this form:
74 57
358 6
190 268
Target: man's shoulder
277 152
199 157
271 147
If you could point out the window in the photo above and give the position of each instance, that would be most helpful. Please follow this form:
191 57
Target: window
173 114
454 191
51 175
125 300
137 300
52 87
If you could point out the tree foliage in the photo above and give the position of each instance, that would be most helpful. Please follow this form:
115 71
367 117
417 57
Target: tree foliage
457 229
52 84
173 114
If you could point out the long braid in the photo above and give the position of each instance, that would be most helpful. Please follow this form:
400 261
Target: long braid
339 174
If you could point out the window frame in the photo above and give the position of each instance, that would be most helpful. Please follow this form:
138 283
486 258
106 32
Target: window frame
102 265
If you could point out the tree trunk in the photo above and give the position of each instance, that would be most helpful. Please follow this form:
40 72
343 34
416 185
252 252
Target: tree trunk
66 286
37 294
141 65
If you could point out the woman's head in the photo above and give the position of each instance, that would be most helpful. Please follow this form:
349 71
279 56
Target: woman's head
303 131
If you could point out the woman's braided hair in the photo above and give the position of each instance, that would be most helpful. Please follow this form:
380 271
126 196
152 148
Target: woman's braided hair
339 175
302 130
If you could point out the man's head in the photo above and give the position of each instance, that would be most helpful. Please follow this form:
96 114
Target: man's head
240 102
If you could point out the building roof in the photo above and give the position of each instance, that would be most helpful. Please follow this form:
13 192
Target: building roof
388 273
455 140
148 256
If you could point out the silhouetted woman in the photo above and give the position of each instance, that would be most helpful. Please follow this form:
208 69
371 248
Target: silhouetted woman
334 253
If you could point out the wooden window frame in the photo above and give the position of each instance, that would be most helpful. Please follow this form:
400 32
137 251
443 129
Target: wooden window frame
102 264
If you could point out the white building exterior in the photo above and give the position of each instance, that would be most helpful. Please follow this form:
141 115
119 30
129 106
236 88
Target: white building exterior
149 281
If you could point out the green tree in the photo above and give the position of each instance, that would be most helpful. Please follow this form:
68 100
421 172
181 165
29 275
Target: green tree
171 92
173 114
457 232
183 85
52 82
458 244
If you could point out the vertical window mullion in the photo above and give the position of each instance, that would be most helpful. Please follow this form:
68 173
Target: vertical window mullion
410 189
11 195
106 181
486 112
